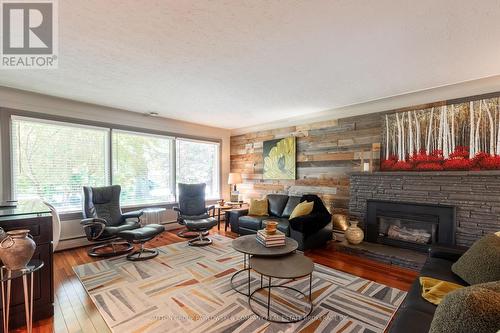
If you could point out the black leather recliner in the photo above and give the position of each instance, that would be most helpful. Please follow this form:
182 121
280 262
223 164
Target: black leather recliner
310 231
103 220
193 213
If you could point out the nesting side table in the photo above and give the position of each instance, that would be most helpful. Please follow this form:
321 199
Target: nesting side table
6 277
293 266
249 246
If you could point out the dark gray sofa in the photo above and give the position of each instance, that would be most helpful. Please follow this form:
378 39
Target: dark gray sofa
310 231
415 314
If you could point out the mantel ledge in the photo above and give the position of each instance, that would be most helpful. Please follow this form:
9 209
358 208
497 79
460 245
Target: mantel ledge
481 173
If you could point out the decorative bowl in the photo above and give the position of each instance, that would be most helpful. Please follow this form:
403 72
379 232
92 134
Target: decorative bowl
271 227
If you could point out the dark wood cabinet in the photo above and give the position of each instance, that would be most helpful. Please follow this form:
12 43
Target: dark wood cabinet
40 226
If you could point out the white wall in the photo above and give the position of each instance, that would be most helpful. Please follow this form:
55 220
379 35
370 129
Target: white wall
27 101
438 94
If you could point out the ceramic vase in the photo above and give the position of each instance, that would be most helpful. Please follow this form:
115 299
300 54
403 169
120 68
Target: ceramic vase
17 249
354 234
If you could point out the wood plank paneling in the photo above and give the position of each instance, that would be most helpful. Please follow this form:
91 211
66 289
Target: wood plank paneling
327 152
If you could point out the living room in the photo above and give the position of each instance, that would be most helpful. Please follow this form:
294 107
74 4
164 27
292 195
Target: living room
263 166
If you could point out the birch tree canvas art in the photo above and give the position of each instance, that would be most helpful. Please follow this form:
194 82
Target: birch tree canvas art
464 136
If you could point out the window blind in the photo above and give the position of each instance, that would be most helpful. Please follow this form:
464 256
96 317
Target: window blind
142 166
198 162
53 160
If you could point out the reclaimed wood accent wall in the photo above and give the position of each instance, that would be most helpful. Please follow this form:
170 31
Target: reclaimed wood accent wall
327 152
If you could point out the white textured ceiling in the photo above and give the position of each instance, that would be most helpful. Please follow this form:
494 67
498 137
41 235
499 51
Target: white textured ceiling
239 63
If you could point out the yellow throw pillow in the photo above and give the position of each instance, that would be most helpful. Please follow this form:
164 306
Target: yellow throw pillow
258 207
434 290
303 208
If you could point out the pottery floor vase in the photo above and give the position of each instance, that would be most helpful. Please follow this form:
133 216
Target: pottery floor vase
17 249
354 234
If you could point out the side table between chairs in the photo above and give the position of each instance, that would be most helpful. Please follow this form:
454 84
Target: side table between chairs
6 277
218 211
225 209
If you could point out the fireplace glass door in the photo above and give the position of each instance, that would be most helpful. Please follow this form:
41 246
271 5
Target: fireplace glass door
407 230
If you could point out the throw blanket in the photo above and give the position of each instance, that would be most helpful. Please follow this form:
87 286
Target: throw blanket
434 290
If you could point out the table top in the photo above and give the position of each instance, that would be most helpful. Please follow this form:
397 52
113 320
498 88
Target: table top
27 207
248 244
33 266
223 207
291 266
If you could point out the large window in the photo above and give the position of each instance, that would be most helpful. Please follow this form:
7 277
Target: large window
198 162
142 166
53 160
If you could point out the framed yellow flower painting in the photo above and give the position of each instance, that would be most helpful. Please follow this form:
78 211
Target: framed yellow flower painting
279 158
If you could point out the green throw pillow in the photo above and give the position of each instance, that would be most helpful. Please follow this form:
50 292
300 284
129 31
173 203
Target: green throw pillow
481 262
471 309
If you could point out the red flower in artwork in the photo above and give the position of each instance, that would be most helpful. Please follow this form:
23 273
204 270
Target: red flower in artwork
436 156
457 164
477 160
419 157
387 164
435 161
429 166
460 152
488 162
402 166
423 157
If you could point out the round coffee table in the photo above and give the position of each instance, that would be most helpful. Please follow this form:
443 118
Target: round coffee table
292 266
249 246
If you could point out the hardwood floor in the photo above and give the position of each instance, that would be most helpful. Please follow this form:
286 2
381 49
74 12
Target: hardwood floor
75 312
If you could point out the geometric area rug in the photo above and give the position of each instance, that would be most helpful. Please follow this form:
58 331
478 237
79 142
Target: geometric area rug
187 289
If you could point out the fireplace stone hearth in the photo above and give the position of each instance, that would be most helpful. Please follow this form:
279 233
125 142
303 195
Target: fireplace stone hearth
384 253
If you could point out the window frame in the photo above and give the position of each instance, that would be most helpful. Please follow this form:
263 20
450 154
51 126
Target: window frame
6 115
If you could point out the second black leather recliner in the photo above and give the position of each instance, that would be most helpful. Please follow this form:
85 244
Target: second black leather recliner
193 213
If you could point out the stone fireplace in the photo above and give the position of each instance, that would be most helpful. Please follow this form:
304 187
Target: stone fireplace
409 225
473 196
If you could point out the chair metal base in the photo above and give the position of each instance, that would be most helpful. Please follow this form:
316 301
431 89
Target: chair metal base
142 254
201 240
190 234
93 252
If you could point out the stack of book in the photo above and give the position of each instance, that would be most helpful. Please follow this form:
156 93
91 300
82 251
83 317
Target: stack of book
276 239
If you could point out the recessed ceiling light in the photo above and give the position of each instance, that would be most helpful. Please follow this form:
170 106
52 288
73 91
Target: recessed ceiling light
152 114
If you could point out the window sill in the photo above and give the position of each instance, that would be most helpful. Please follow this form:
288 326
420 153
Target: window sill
77 215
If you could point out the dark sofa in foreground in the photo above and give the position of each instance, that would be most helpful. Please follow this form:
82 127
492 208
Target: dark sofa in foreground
310 231
415 314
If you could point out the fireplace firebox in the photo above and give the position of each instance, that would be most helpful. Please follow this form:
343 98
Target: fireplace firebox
409 225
